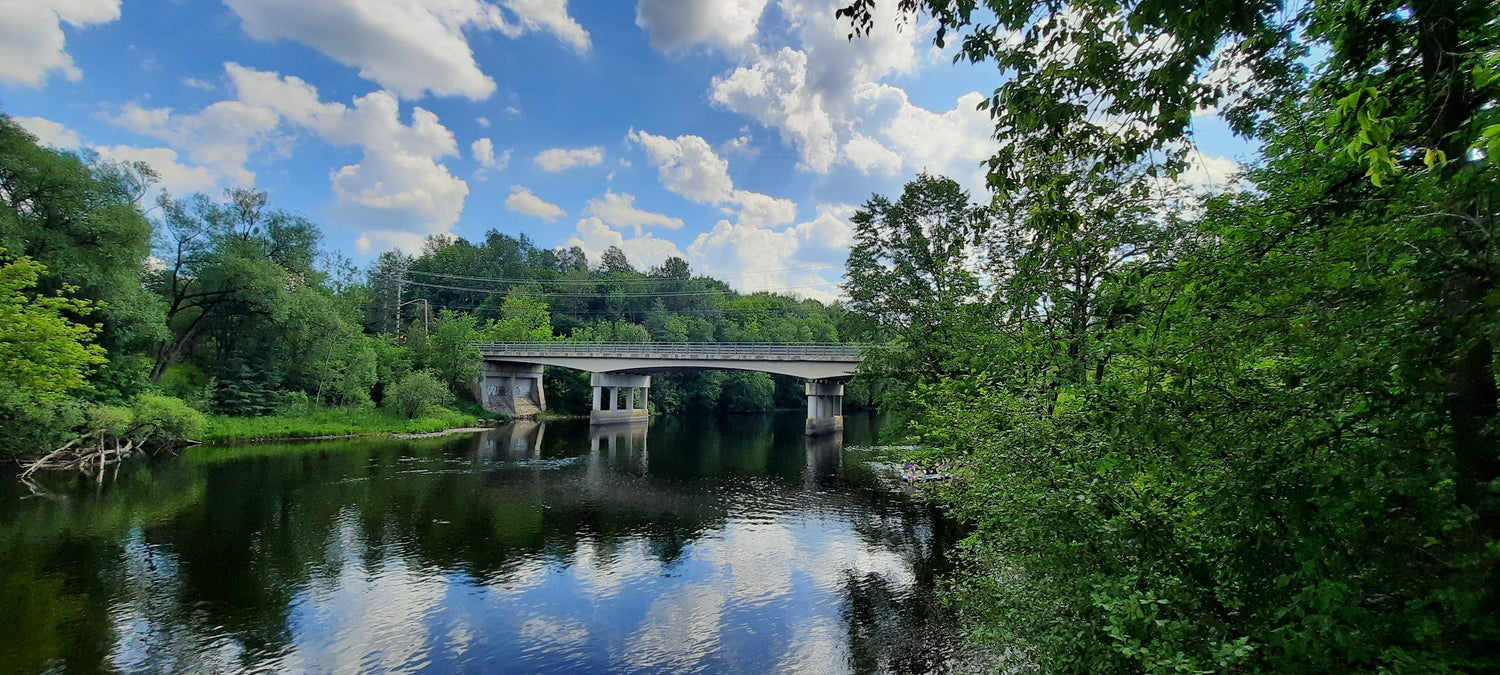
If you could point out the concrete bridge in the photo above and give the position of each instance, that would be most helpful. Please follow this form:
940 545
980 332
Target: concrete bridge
512 378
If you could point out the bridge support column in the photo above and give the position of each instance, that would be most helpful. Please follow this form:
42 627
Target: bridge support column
607 386
825 407
512 389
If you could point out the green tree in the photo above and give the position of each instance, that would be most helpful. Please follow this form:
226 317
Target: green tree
323 346
44 355
228 268
748 392
79 218
1289 465
45 360
522 319
914 278
451 351
611 331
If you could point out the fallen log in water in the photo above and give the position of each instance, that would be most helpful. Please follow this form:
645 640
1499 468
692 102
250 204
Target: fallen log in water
82 456
95 450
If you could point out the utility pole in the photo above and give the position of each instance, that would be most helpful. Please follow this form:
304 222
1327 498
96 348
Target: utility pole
400 277
426 313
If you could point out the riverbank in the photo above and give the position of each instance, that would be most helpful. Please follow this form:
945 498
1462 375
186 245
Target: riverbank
332 423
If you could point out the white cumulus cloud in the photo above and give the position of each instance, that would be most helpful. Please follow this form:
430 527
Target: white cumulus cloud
617 208
398 192
523 201
643 251
776 92
1209 172
954 143
409 47
791 259
550 16
174 175
32 43
561 159
484 153
50 133
729 25
826 96
220 137
689 167
869 156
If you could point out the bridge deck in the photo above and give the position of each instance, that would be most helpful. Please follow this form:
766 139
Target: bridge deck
628 366
695 351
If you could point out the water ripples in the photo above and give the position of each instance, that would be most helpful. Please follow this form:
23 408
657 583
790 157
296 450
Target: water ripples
528 557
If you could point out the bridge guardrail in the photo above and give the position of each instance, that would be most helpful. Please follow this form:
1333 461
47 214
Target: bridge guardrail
684 349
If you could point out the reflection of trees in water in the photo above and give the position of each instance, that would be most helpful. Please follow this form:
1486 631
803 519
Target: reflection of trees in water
898 627
63 560
904 630
229 538
901 628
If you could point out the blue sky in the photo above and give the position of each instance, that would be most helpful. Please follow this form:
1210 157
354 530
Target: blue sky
739 134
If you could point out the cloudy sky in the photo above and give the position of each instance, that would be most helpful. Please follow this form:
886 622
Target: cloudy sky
739 134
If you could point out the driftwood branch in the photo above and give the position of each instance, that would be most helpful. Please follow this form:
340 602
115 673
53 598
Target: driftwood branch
92 452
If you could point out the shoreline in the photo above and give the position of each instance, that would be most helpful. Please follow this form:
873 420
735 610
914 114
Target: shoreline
463 429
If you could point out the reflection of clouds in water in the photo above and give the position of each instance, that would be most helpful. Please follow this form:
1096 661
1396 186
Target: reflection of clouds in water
752 562
153 633
817 646
459 638
529 573
679 630
794 566
366 621
770 586
603 577
548 635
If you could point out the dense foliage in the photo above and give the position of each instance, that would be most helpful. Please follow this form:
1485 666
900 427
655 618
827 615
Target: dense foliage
1244 431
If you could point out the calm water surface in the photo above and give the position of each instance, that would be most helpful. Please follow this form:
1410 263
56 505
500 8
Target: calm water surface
694 545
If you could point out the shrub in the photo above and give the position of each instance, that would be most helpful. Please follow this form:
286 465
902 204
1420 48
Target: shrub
165 418
416 392
111 421
295 403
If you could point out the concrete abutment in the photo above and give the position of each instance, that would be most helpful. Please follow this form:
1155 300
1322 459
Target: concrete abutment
511 389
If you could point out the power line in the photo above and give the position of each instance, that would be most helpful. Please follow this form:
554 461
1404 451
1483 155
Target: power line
558 294
787 311
645 280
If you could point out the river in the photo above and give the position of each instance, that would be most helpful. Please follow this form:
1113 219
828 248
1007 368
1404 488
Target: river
694 544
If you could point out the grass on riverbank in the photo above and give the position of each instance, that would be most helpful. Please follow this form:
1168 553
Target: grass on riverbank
352 421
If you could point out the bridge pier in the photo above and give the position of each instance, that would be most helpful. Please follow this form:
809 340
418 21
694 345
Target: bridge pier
521 439
825 407
512 389
607 397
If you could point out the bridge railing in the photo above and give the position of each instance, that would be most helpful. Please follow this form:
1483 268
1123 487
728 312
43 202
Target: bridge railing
682 349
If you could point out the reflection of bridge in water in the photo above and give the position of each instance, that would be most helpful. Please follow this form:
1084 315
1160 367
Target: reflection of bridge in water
512 378
624 444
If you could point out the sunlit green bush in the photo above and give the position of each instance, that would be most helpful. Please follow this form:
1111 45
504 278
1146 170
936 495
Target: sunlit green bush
416 392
